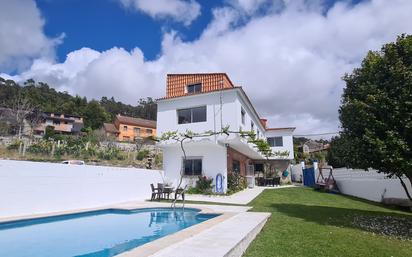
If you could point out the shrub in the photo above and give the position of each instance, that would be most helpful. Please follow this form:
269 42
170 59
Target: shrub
235 183
14 146
142 154
110 154
203 186
42 147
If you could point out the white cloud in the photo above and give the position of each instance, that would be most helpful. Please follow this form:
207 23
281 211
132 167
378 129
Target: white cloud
21 35
290 62
184 11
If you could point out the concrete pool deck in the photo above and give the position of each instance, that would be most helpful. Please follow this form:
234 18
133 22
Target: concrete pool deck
228 234
242 197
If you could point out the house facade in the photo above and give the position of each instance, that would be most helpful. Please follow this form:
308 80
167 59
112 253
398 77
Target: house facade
130 129
311 146
209 102
62 123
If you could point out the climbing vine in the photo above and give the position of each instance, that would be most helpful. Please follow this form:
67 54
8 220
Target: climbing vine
260 144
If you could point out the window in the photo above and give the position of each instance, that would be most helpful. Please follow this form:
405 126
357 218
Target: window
243 115
195 88
275 141
127 138
258 134
149 131
192 115
193 167
252 126
136 131
124 128
236 166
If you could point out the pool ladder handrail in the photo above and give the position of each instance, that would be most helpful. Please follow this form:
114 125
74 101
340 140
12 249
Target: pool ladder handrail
183 198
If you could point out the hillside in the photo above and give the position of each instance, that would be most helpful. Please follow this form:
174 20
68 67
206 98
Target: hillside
95 112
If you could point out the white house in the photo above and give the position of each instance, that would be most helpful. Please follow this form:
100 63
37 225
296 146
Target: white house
209 102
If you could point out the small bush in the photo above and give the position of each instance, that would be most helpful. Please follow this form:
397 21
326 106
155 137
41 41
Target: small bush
42 147
14 146
142 154
203 186
110 154
235 183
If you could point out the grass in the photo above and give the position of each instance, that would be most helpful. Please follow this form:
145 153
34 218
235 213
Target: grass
305 222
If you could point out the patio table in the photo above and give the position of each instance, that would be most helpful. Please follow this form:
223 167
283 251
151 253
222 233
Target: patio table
167 190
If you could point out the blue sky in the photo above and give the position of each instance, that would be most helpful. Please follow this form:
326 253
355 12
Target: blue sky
288 55
102 24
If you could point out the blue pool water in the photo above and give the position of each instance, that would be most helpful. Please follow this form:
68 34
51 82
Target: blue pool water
93 234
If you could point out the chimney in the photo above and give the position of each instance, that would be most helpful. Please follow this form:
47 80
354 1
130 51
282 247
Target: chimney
264 122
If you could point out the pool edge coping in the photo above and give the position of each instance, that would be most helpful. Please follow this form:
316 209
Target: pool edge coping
157 245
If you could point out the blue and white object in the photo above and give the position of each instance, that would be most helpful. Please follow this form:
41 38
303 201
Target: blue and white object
219 184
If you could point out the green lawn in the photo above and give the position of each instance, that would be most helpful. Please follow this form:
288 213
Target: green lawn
305 222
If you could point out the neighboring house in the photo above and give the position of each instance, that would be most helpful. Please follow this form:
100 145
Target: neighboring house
127 128
62 123
313 147
110 130
208 102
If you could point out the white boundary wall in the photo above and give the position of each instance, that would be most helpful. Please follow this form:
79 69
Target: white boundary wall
369 185
34 187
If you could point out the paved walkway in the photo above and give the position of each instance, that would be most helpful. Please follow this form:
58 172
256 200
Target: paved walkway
228 238
242 197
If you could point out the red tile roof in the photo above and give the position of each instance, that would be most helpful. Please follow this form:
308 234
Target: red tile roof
110 128
177 83
136 121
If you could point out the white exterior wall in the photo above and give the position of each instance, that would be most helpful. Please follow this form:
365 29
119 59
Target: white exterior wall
34 187
213 162
368 185
214 154
167 112
287 142
231 113
231 102
249 117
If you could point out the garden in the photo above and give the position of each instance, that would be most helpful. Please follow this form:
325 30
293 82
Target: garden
88 148
305 222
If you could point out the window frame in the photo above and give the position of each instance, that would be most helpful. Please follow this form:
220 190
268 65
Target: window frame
191 114
197 88
149 131
137 133
125 128
192 159
273 139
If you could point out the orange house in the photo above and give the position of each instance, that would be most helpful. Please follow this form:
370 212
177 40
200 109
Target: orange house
129 129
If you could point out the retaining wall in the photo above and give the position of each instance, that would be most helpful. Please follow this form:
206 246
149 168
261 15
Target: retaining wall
34 187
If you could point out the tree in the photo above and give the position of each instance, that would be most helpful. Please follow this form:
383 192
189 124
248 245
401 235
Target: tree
21 109
376 111
339 152
95 115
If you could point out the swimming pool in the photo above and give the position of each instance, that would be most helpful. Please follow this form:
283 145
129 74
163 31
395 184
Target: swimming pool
93 234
